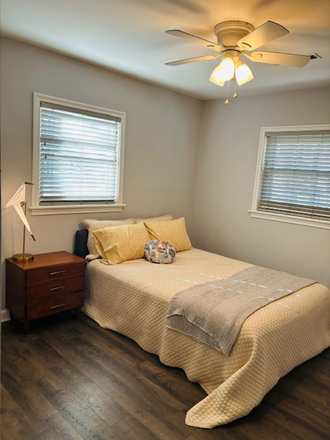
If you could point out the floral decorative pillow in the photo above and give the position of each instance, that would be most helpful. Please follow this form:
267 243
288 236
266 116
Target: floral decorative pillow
160 252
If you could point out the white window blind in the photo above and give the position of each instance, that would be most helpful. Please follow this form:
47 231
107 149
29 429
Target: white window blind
295 177
79 155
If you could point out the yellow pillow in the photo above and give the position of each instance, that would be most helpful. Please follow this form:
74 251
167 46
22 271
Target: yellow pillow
173 231
120 243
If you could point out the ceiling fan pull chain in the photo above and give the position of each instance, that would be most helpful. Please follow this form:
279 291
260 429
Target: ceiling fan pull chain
227 101
235 93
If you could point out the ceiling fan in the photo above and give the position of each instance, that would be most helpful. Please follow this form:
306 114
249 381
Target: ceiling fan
236 39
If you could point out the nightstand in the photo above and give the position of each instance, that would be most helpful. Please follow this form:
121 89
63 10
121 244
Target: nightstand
49 284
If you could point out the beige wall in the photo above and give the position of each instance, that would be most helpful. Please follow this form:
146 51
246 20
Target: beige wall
162 140
162 133
225 179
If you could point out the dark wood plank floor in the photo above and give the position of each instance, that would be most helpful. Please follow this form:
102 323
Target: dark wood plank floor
72 379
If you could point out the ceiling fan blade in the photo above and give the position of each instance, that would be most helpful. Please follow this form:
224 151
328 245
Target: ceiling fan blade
265 33
193 39
282 59
192 60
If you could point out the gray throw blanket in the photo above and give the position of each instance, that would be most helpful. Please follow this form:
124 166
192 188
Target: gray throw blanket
214 312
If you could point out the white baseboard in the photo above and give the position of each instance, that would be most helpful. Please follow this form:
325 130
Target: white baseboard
5 315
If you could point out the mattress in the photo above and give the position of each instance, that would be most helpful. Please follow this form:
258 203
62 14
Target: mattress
132 298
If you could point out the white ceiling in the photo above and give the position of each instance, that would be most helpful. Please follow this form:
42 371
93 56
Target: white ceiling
128 36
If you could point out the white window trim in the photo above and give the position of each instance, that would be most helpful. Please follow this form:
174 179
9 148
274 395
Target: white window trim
37 209
273 216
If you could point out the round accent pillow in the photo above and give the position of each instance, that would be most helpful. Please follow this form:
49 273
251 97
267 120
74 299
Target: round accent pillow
161 252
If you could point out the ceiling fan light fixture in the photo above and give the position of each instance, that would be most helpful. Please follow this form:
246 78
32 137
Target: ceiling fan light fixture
243 74
236 38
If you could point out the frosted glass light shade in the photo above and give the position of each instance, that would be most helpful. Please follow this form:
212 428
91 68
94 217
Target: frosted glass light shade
224 72
243 74
226 69
215 77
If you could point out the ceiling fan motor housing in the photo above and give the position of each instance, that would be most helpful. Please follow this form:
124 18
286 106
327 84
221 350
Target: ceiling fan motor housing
230 32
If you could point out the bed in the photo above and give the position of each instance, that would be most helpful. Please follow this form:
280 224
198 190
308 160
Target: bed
132 298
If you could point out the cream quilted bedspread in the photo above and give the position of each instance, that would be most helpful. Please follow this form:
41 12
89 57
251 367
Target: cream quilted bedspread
132 298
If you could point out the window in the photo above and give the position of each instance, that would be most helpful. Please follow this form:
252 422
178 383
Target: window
78 157
293 175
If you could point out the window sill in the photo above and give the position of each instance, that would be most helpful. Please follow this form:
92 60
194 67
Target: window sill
74 209
323 224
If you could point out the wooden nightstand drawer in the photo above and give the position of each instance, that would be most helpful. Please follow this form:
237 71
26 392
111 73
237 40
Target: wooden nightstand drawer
54 272
54 287
53 305
51 283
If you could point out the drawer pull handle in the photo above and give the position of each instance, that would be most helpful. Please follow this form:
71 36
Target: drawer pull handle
57 288
59 305
57 272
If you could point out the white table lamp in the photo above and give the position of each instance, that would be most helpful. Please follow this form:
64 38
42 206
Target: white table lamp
18 201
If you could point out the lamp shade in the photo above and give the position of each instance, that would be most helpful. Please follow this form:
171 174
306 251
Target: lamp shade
226 69
243 74
215 77
16 202
223 72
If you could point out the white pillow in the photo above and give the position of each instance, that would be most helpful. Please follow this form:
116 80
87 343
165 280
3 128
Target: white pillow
161 218
95 225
